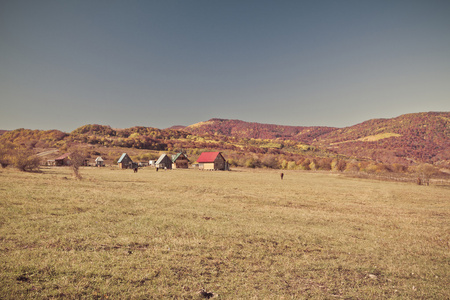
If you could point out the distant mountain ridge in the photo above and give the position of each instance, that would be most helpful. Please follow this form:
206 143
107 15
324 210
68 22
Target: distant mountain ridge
418 136
406 139
242 129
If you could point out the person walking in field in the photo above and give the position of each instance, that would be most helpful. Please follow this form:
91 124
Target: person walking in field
281 175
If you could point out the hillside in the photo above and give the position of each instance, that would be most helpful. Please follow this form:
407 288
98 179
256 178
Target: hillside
407 140
242 129
410 138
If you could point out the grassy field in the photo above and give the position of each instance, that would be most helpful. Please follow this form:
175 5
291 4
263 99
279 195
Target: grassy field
243 234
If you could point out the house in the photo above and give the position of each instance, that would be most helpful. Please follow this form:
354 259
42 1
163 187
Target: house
164 162
180 161
212 161
63 160
99 162
125 162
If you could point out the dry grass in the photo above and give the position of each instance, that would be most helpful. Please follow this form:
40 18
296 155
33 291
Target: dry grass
240 234
377 137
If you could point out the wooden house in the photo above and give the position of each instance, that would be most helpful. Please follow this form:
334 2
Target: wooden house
63 160
125 162
180 161
99 162
164 162
212 161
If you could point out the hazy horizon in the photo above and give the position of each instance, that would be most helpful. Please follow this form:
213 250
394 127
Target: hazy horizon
165 63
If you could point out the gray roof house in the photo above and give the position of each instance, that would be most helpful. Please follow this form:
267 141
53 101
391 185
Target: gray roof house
164 162
125 162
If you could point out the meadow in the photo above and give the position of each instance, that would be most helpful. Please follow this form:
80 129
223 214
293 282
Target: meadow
243 234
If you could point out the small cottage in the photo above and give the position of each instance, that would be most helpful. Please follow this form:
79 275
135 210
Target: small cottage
212 161
180 161
99 162
164 162
125 162
63 160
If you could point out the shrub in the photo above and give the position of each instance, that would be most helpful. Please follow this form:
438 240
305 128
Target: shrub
25 160
351 167
304 165
324 164
269 161
424 173
338 165
5 153
233 162
253 163
313 165
291 165
398 168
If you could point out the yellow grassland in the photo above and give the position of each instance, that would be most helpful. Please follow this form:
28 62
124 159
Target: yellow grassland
371 138
199 124
377 137
243 234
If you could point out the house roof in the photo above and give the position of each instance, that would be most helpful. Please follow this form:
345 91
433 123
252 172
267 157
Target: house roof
63 156
122 157
208 157
160 159
99 158
175 157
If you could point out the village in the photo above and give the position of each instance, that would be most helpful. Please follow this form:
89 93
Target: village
206 161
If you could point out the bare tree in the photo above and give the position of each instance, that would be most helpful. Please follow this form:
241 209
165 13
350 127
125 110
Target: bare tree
77 158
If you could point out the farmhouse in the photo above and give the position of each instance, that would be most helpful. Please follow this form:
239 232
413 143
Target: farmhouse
212 161
99 162
125 162
180 161
63 160
164 162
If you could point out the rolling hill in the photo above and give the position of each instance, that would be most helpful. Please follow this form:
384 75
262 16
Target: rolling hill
242 129
408 139
419 137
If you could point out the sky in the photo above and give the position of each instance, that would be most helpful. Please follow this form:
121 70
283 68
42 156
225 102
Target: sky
64 64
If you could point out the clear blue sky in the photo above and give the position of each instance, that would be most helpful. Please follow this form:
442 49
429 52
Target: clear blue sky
64 64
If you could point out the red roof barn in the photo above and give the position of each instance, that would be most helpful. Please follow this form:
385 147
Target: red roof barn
63 160
212 161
